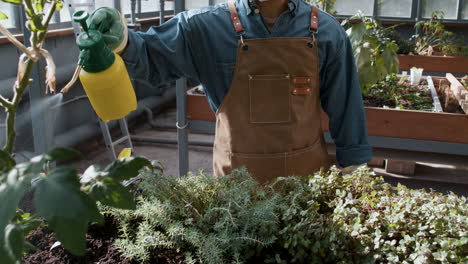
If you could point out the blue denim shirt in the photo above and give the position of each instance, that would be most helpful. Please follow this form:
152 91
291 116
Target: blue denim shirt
201 44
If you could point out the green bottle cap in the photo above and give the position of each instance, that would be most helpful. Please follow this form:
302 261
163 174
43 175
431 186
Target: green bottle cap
95 56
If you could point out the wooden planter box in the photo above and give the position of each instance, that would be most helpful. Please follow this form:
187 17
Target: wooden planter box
198 107
407 124
434 63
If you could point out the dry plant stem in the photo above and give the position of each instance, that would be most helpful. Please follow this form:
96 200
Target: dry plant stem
36 43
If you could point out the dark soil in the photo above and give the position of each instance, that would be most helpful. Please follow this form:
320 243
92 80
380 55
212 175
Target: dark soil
447 98
402 95
100 248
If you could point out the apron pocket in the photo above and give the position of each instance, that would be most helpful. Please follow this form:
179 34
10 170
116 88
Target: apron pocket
306 161
263 167
270 100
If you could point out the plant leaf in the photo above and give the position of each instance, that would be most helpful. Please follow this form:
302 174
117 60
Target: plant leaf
3 16
125 153
67 209
6 161
14 241
112 193
59 5
126 168
15 2
11 192
63 154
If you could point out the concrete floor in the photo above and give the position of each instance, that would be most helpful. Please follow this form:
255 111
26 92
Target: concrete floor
439 177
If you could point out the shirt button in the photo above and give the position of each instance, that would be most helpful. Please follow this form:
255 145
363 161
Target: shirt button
257 11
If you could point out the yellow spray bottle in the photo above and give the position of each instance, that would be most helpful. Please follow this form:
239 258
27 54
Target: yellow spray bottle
102 74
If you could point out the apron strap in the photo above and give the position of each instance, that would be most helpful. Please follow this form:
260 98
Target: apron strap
240 29
314 19
235 17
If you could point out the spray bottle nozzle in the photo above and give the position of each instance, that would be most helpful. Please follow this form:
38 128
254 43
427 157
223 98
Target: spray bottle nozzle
80 16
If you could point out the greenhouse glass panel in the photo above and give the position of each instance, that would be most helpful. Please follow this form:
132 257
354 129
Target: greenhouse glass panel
8 10
351 7
464 10
101 3
395 8
449 7
87 5
193 4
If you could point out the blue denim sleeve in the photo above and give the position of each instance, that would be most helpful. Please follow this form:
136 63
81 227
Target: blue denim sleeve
342 100
162 54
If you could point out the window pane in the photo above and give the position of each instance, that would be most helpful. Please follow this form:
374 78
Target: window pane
87 5
448 6
146 6
193 4
395 8
351 7
464 14
8 10
101 3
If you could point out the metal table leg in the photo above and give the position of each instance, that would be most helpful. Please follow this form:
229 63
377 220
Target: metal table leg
182 131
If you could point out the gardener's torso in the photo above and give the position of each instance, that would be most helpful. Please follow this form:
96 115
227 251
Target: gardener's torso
215 52
269 121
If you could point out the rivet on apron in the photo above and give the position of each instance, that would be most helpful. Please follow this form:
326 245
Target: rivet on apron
287 76
257 11
250 77
245 48
310 45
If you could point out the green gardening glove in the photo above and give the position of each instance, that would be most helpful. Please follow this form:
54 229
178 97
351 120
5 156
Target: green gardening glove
110 23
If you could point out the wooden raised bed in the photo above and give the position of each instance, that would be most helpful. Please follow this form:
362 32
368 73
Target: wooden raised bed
198 107
434 63
407 124
459 92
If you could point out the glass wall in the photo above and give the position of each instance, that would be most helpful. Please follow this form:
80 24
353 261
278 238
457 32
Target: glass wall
7 8
449 7
351 7
395 8
464 11
193 4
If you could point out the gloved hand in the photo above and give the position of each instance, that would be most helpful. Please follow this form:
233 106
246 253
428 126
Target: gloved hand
112 25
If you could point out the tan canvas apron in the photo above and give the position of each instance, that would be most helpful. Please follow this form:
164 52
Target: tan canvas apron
269 121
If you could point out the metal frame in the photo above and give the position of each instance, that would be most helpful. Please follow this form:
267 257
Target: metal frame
416 14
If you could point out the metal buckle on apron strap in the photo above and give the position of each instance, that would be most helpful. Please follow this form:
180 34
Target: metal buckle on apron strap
245 47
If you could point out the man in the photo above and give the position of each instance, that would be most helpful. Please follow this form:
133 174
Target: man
267 68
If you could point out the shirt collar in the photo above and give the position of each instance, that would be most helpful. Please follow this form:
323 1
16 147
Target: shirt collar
251 5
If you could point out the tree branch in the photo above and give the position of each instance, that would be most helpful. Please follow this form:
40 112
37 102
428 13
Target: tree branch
4 102
15 42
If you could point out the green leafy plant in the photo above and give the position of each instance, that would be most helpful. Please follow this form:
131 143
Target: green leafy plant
66 201
454 48
325 218
464 81
395 92
405 46
433 34
374 53
326 5
37 22
212 220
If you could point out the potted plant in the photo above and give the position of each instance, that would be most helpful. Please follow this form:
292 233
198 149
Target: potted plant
63 198
436 49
